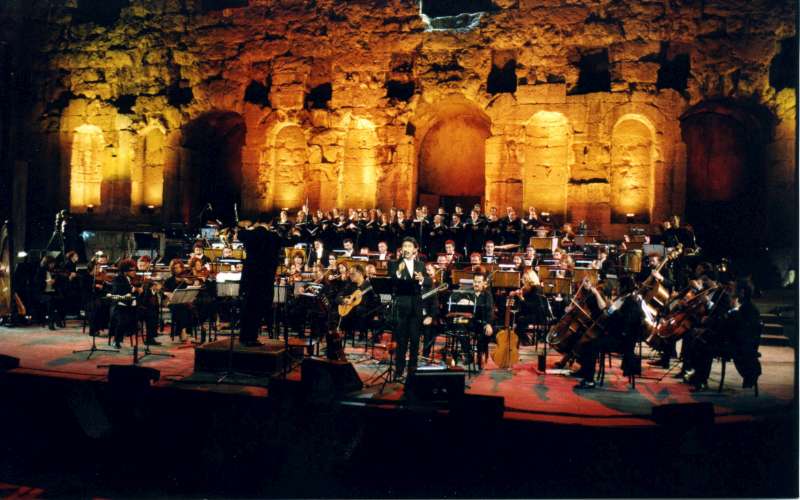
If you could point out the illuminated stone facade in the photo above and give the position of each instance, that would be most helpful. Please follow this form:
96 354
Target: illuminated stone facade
572 107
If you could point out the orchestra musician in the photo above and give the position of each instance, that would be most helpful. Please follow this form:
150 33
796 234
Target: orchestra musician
123 312
430 312
318 254
451 256
361 318
408 278
533 306
182 314
147 299
489 256
482 319
197 253
49 288
383 252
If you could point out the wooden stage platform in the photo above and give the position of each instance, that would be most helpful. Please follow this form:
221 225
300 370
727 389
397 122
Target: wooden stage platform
528 394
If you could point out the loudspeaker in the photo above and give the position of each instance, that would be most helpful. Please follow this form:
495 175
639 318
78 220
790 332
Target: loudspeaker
327 378
435 385
8 362
132 376
684 415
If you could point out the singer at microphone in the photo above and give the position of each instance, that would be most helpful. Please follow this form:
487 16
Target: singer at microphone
408 278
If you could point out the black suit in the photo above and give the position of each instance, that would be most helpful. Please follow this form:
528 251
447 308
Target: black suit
312 258
407 312
258 279
123 314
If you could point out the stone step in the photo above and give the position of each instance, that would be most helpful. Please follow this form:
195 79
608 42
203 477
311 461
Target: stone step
775 340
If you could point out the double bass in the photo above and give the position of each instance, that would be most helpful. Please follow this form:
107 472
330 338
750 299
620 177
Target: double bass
507 351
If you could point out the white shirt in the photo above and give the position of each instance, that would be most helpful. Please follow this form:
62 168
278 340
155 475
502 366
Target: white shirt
409 266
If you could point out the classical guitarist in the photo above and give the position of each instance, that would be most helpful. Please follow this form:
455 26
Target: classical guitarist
357 303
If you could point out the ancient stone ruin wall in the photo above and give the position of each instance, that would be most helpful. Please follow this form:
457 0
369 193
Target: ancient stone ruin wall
357 103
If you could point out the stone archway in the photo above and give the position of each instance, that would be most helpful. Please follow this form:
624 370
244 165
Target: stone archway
632 169
725 165
212 168
452 154
289 165
358 177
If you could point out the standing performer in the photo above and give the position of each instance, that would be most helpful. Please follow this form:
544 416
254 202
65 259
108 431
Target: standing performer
258 279
408 279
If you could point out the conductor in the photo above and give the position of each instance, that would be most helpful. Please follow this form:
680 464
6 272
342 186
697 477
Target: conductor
258 278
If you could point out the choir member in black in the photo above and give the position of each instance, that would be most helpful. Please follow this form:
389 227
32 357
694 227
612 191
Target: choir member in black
430 312
312 228
457 232
147 300
512 228
437 234
182 314
328 233
482 319
362 317
408 278
318 254
403 227
386 232
284 225
529 224
494 226
49 291
123 311
474 232
532 306
262 248
622 328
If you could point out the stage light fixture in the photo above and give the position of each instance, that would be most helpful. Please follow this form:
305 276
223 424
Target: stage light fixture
630 217
90 208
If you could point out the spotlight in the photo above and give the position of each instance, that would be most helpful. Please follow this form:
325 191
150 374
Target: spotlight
630 216
22 254
90 208
148 209
98 253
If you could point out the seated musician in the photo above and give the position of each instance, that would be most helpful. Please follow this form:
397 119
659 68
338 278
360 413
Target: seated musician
197 253
383 252
331 261
619 334
529 258
430 311
349 249
97 308
123 312
483 317
452 256
518 263
593 305
489 256
296 267
318 254
147 300
475 261
533 306
361 318
567 235
182 314
602 264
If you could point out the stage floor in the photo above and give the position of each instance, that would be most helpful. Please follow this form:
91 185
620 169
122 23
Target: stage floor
529 395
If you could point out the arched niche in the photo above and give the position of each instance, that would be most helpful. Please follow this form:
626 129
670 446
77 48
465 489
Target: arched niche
289 167
86 168
632 164
358 177
211 168
452 155
546 169
147 171
725 164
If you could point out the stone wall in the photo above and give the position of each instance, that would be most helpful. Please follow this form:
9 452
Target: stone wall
581 101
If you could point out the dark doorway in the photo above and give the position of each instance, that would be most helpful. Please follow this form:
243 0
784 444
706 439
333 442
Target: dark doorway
725 188
212 172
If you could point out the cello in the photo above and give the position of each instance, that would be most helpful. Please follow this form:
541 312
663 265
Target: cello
507 351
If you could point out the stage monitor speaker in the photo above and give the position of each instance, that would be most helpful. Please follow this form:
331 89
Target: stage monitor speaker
323 378
132 376
435 385
684 415
8 362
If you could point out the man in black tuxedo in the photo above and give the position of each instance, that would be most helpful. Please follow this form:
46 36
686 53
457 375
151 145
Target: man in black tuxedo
258 278
318 254
123 311
408 279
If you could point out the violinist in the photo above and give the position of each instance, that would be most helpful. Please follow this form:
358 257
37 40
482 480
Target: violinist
181 314
450 253
97 308
529 258
123 312
296 268
147 299
533 306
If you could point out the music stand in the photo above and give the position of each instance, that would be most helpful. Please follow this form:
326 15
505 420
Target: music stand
186 297
93 349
